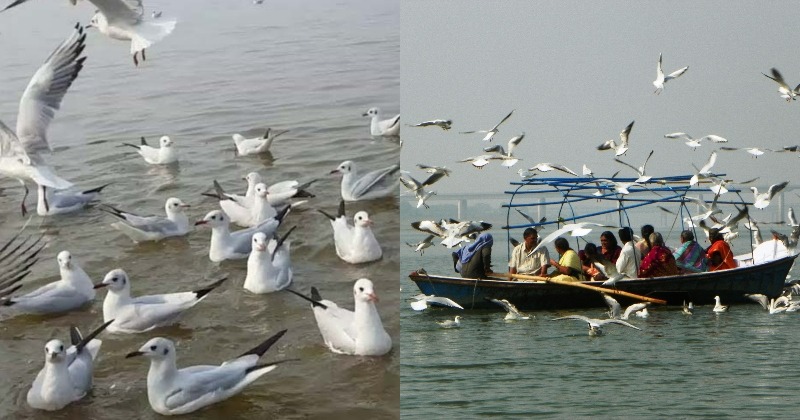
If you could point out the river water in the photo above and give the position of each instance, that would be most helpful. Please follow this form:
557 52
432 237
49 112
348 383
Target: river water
679 366
310 66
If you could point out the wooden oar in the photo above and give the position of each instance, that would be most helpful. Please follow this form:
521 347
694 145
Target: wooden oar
583 286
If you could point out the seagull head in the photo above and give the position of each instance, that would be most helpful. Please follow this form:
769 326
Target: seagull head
261 190
252 178
372 112
98 21
259 242
175 205
361 219
165 141
458 318
54 351
156 349
64 259
213 218
116 280
363 291
344 168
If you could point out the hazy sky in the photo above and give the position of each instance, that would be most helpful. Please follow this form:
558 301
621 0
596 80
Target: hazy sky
578 72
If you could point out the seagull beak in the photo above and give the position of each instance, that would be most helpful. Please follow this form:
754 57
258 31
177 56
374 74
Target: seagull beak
365 115
184 206
200 222
100 285
335 171
53 356
372 297
261 247
133 354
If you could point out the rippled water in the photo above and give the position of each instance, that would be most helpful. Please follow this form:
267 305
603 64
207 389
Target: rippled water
309 66
679 366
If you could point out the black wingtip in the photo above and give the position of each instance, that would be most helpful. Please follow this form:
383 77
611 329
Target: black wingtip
143 141
98 189
282 214
315 294
314 302
204 291
132 145
85 340
326 214
340 212
270 364
75 336
262 348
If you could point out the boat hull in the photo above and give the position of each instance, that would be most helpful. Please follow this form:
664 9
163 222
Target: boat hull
730 285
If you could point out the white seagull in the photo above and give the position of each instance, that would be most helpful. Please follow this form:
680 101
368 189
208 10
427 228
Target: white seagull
423 301
547 167
374 184
124 20
257 145
513 313
755 151
493 131
448 323
640 170
719 307
418 188
227 245
269 266
636 308
173 391
162 155
507 157
358 332
67 373
73 291
354 243
20 149
52 202
622 147
385 128
152 228
479 161
443 124
761 201
661 79
786 92
143 313
574 229
421 245
695 143
595 325
705 171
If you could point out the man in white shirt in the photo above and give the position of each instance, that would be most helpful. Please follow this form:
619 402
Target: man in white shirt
535 264
630 257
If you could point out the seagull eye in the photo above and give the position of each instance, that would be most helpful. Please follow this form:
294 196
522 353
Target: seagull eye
60 348
114 279
361 289
166 351
153 348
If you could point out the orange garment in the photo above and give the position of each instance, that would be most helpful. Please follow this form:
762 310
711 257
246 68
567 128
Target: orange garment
724 250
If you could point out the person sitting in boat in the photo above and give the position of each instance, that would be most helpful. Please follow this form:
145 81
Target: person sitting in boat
535 264
690 256
630 258
474 260
719 254
659 262
568 267
589 256
644 244
609 246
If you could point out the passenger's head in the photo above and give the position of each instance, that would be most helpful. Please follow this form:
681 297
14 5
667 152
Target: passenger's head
656 239
713 234
530 236
607 240
647 230
625 234
590 250
687 236
561 244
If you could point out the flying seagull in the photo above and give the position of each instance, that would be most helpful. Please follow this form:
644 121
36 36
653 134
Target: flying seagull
622 147
661 79
492 132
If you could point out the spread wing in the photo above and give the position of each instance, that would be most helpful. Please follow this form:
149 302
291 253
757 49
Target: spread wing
10 146
120 11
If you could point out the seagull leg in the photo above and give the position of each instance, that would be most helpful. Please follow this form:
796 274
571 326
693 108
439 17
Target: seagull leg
24 197
135 61
46 206
143 57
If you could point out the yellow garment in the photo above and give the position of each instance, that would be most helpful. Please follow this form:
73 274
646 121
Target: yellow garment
572 260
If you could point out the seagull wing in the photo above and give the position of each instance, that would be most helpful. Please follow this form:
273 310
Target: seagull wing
618 321
659 70
443 301
502 121
528 218
678 136
714 138
433 178
46 89
410 183
709 164
10 146
614 307
628 165
623 135
120 11
634 308
676 73
776 188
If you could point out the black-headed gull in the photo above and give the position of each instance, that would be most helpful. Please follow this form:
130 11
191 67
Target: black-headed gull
358 186
124 20
152 228
418 188
67 373
688 309
52 202
574 229
385 128
162 155
755 151
439 171
695 143
479 161
255 146
493 131
156 14
450 323
74 290
595 325
457 232
269 266
430 226
173 391
705 171
661 79
227 245
718 306
443 124
17 256
20 149
547 167
622 147
358 332
143 313
636 308
354 243
423 301
786 92
421 245
640 170
512 312
762 200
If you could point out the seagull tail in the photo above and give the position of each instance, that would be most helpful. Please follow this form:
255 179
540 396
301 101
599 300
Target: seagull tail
314 302
204 291
262 348
148 33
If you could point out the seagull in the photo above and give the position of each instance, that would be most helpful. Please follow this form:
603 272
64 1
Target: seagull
143 313
609 271
124 20
156 15
261 202
574 229
20 149
695 143
761 201
73 291
513 313
719 307
458 232
429 226
52 202
786 92
688 309
493 131
595 325
255 146
455 323
358 332
507 157
755 151
480 161
762 300
173 391
661 79
705 171
385 128
165 154
152 228
443 124
639 170
547 167
614 308
439 171
423 301
374 184
269 266
354 243
526 174
707 210
227 245
17 257
67 373
622 147
421 245
635 308
533 221
418 188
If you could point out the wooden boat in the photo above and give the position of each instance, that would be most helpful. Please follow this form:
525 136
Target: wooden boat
700 288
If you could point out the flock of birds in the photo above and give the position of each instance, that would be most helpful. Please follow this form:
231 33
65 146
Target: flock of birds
67 373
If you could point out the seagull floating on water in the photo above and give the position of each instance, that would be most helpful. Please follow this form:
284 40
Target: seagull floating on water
257 145
661 79
152 228
447 323
354 243
269 266
595 325
227 245
162 155
358 186
719 307
51 202
385 128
